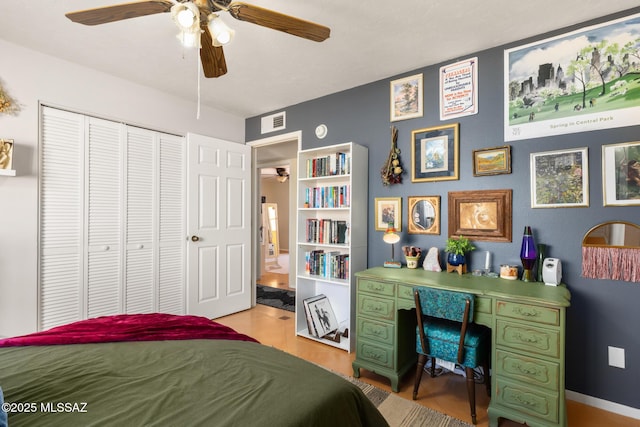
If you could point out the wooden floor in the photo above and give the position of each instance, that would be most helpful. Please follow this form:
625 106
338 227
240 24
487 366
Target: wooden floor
447 393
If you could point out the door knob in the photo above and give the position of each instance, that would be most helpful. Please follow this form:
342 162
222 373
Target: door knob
195 238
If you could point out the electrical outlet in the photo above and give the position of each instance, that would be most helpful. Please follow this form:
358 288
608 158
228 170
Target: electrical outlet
616 357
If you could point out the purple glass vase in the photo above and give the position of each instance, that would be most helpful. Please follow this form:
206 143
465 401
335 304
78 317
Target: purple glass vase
528 255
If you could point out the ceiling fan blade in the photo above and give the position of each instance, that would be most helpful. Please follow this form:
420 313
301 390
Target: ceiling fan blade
103 15
279 21
212 57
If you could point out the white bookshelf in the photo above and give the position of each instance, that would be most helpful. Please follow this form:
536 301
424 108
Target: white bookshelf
353 180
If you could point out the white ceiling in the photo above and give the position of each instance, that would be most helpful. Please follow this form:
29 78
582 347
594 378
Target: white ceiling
269 70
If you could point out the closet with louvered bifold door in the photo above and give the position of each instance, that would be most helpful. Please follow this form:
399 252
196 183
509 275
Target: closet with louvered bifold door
112 219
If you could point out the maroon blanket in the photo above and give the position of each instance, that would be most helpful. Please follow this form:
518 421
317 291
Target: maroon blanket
130 327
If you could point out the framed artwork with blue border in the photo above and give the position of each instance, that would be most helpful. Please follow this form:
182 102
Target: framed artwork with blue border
435 153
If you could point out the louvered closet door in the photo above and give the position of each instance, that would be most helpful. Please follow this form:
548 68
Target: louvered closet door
172 242
140 221
61 217
112 219
103 217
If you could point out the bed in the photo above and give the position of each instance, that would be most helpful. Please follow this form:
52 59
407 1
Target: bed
166 370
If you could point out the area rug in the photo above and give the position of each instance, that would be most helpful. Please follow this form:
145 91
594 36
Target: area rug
400 412
274 297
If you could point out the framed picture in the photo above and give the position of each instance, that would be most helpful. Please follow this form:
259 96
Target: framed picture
434 153
323 320
459 89
388 210
567 83
423 215
6 154
492 161
560 179
481 214
406 98
621 174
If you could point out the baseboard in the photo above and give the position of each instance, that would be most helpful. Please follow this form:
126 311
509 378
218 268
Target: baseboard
605 405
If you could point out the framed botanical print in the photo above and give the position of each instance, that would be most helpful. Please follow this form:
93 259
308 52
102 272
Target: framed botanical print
406 98
388 210
621 174
434 153
423 215
560 179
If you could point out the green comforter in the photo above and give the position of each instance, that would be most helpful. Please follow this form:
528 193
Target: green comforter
175 383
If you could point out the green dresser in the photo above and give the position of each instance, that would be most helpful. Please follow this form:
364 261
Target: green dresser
527 321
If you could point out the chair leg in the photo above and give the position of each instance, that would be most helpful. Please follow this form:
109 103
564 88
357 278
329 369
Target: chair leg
487 377
433 367
422 360
471 390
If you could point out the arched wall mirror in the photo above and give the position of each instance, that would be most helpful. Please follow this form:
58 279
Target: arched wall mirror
611 250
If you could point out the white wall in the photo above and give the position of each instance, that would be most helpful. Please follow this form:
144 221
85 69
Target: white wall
30 77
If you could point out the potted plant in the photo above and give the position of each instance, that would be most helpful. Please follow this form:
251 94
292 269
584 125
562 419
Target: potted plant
457 248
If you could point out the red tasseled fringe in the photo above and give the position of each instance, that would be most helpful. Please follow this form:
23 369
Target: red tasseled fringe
611 263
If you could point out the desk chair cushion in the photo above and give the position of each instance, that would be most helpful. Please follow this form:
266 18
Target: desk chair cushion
443 337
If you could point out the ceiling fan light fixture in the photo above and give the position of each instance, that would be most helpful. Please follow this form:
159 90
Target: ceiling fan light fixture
220 32
186 16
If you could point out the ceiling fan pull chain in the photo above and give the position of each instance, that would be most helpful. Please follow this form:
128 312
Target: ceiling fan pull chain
199 66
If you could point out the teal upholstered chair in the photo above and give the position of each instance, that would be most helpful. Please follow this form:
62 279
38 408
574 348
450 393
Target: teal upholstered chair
446 331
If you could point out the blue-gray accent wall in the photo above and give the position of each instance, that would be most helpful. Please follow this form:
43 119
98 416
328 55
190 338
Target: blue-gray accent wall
603 312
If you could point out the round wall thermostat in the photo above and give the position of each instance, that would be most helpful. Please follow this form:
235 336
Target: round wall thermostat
321 131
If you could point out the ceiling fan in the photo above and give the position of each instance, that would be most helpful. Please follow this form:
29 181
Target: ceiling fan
280 174
199 19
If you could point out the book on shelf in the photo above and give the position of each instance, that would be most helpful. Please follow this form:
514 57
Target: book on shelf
333 164
321 320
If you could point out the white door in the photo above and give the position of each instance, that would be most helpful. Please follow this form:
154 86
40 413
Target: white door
219 227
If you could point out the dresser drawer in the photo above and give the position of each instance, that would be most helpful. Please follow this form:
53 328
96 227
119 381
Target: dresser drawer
379 308
378 288
528 338
529 313
526 369
374 330
375 353
527 400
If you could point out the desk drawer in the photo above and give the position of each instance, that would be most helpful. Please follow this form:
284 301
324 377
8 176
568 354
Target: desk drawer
379 288
527 400
528 338
406 292
377 331
529 313
376 353
526 369
378 308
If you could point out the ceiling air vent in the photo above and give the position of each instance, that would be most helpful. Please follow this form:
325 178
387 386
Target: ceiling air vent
274 122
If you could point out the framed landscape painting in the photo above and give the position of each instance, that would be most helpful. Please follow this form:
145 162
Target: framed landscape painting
492 161
580 81
406 98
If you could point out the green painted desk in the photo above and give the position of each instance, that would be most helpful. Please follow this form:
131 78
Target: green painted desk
528 336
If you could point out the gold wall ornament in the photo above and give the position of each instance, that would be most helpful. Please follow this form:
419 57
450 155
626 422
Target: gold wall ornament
392 171
6 154
7 104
